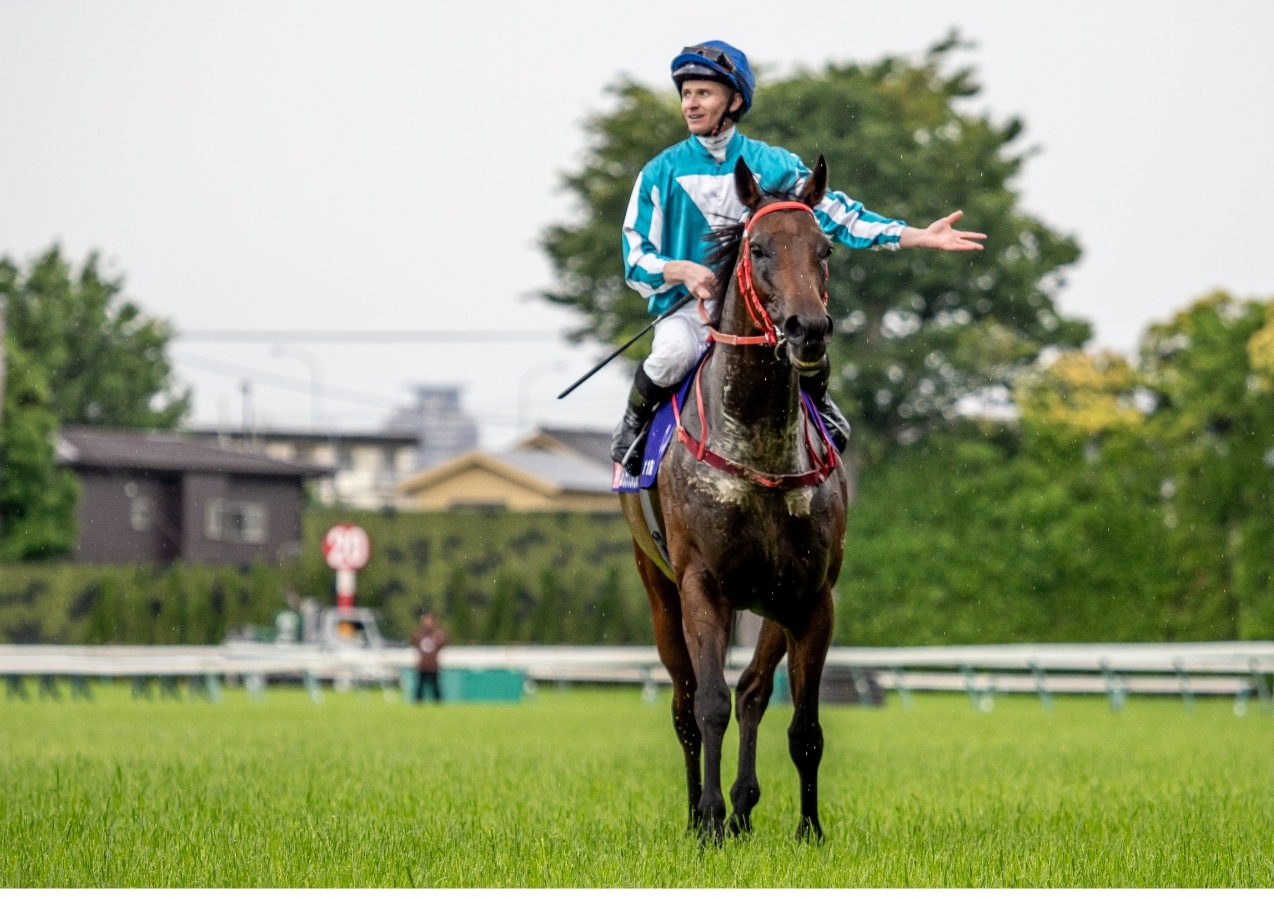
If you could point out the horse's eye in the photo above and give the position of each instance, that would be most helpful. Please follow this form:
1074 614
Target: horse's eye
757 252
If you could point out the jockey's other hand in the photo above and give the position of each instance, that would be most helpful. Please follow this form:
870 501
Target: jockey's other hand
699 280
942 236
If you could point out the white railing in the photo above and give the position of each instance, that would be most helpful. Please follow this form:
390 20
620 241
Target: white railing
1240 668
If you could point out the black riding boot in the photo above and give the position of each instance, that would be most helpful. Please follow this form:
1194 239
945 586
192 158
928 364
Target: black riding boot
815 384
629 441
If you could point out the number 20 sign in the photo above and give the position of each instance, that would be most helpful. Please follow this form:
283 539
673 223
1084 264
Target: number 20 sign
346 547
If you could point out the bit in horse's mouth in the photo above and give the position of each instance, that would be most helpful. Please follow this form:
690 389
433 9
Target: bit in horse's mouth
801 365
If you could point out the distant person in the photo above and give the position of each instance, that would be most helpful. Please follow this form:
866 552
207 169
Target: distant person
428 640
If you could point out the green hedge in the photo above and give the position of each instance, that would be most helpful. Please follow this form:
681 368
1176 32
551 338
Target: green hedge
493 578
955 540
974 540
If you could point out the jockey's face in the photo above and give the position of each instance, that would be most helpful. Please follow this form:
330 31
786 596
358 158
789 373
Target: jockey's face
703 104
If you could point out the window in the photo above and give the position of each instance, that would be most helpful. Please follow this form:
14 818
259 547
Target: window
141 513
236 522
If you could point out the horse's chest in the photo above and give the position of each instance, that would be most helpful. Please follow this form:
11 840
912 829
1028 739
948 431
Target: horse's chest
733 498
761 543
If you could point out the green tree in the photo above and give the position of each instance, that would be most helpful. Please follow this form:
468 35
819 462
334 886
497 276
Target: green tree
37 499
104 360
1210 371
76 354
916 331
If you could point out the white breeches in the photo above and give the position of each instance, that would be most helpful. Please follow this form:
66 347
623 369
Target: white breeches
679 341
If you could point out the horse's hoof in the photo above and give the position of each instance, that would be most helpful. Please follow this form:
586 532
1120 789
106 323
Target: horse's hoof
694 822
739 824
712 832
810 831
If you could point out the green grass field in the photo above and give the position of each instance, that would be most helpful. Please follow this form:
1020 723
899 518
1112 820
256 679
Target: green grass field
584 788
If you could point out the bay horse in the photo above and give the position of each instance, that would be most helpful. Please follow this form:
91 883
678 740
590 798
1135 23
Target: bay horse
753 510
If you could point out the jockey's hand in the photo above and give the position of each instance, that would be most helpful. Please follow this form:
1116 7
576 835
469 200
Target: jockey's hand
699 280
941 236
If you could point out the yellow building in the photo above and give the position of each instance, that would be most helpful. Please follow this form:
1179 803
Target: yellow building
555 470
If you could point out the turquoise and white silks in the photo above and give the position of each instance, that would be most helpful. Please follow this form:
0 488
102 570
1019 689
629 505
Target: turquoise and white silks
685 192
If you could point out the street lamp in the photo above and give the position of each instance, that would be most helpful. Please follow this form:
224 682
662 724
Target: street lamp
301 355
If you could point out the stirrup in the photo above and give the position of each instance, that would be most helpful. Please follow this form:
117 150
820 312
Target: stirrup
631 463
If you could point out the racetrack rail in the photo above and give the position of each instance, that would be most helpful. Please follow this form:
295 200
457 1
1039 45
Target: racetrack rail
1218 667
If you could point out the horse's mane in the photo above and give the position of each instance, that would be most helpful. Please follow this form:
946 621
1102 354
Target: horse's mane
724 242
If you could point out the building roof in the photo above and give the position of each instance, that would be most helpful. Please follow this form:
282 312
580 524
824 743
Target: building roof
544 471
166 452
397 437
592 445
560 470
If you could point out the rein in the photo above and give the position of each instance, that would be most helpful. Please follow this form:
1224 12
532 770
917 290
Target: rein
770 334
824 463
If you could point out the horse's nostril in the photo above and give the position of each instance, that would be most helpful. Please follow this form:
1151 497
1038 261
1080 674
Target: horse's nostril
794 328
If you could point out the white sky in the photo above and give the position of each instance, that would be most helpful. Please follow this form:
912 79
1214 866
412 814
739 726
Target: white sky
390 165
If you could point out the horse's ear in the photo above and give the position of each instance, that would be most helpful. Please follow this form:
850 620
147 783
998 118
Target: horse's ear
745 185
815 185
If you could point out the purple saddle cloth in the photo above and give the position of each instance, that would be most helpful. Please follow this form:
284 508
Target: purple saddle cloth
662 428
664 425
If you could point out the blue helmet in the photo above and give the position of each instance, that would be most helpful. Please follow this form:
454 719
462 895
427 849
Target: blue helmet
716 61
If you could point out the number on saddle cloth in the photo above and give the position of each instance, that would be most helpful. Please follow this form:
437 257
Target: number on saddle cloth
658 438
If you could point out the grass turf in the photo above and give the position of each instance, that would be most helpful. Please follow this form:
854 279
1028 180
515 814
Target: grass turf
584 788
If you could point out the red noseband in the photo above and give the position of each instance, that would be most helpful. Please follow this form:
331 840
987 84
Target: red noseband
770 335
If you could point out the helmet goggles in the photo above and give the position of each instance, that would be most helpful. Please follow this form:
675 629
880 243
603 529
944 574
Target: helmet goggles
715 61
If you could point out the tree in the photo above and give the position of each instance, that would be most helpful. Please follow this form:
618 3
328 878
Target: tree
37 499
1130 501
916 331
105 361
76 354
1210 370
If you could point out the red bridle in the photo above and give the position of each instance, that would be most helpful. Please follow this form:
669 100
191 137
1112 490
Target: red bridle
770 334
825 462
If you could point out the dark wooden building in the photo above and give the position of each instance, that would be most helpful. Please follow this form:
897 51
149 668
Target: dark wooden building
156 497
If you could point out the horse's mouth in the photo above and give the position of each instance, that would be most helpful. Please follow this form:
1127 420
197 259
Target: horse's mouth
803 366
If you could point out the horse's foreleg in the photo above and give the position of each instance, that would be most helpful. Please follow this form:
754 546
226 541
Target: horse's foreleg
665 610
807 650
751 698
706 620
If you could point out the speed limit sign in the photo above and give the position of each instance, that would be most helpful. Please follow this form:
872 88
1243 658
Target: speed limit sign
346 548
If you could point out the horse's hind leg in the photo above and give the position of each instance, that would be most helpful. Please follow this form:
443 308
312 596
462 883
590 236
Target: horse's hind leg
665 610
807 650
751 698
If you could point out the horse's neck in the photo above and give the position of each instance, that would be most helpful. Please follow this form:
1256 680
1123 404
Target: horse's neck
753 406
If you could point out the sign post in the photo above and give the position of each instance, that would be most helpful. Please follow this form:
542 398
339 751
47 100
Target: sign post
346 548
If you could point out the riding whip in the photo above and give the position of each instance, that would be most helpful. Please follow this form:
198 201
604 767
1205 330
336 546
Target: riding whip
597 368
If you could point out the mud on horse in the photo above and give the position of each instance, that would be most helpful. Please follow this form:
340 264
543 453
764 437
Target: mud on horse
753 506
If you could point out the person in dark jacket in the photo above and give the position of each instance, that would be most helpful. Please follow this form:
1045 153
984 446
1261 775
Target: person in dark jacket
428 640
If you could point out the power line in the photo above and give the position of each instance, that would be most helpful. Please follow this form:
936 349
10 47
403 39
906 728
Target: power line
354 336
327 391
361 398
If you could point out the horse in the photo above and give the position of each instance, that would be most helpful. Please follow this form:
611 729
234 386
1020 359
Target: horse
739 536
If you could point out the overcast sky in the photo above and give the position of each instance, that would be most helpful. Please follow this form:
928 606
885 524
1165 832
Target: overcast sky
391 165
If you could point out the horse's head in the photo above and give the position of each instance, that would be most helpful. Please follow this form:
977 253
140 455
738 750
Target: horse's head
787 253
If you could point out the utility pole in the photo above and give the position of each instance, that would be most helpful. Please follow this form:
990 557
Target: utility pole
249 438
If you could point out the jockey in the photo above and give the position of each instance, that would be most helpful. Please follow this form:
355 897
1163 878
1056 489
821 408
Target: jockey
688 190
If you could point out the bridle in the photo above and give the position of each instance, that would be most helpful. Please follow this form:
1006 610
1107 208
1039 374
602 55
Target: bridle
824 461
771 335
